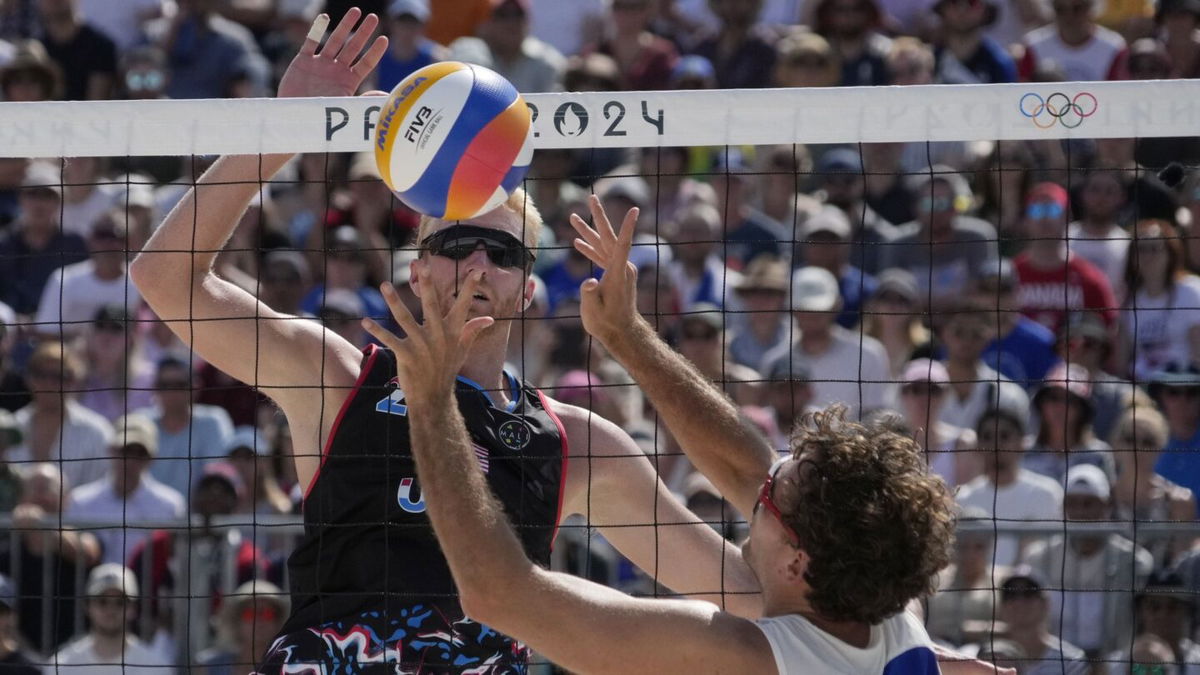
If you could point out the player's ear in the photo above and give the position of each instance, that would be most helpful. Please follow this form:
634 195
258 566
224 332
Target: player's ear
530 288
797 566
416 272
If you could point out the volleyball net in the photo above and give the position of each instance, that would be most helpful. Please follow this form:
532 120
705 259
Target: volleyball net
1007 272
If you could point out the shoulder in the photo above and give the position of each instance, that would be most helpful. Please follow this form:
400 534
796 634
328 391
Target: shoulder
1069 650
206 414
1037 483
907 232
140 652
86 418
74 652
968 491
1109 37
1030 329
90 493
974 229
163 493
1039 36
1083 268
594 433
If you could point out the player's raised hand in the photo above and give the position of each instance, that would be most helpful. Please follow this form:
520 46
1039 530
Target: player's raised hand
341 65
608 306
429 358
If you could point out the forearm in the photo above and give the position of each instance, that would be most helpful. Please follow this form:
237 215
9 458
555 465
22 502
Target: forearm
722 444
476 538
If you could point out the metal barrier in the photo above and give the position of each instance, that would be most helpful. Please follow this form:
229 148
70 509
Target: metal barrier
196 582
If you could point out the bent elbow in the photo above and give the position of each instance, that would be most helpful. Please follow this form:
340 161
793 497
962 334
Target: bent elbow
481 606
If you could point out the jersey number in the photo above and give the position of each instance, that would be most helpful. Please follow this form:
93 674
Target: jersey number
393 404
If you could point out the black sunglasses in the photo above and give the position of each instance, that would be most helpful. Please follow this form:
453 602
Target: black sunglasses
457 242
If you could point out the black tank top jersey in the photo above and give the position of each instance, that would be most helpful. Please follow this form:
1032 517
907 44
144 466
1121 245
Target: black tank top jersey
369 568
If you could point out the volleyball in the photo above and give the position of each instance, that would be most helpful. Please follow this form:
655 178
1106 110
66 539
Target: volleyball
453 140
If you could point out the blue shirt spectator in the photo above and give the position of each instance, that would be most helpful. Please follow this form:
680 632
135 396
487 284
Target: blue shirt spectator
1025 354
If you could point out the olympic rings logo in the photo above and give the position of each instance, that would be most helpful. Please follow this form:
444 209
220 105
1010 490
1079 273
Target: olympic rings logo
1058 108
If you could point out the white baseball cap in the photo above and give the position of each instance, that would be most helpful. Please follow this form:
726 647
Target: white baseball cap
418 9
112 577
814 289
1087 479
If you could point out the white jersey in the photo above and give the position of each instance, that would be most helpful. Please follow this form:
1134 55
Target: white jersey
898 646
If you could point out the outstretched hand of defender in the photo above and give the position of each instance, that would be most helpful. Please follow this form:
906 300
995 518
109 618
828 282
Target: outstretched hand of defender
608 305
341 65
429 358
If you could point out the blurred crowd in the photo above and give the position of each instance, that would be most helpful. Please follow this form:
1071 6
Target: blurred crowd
1030 311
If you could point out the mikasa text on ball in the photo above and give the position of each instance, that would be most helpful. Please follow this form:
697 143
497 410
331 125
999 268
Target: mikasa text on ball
453 140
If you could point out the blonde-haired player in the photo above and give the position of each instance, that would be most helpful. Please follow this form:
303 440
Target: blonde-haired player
369 584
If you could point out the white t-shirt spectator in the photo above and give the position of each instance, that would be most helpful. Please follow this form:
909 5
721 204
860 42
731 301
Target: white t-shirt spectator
991 390
1158 327
539 67
1031 496
854 370
1097 59
182 454
80 449
80 658
98 501
119 20
73 294
1106 252
897 645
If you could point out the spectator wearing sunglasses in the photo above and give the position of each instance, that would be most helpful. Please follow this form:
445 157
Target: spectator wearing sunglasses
945 249
1176 390
1023 349
188 432
75 293
247 622
1139 493
345 267
1050 282
1006 490
1024 607
55 426
1160 315
1098 236
118 379
840 182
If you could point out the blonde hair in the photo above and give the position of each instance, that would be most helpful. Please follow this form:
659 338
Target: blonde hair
1138 416
518 203
54 356
917 50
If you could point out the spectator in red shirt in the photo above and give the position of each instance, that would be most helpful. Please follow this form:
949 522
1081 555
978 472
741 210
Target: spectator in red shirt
1075 44
1051 283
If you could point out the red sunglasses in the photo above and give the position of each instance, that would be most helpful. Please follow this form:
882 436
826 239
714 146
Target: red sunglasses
765 501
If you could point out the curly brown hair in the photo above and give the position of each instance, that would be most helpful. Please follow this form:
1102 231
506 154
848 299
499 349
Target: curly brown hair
876 524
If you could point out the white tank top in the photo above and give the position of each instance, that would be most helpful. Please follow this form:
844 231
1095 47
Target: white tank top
898 646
